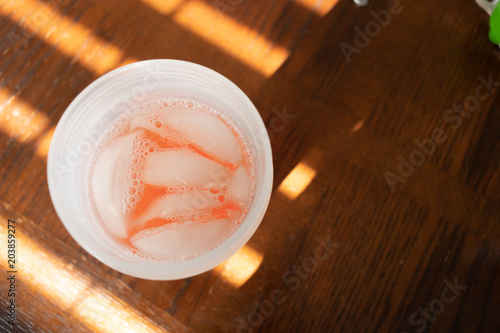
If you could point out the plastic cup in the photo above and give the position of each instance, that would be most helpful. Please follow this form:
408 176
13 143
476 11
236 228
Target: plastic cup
98 105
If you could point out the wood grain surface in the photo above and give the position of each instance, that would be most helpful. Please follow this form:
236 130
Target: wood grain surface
356 238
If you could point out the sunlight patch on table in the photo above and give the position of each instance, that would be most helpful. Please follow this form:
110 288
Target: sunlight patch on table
241 266
55 279
71 38
297 181
19 120
43 271
104 313
43 143
236 39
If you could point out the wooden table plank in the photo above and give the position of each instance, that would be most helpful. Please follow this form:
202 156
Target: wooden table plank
346 123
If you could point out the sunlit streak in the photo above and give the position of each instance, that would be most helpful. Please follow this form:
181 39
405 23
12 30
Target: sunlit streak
241 42
43 144
71 38
44 272
62 282
105 313
297 181
19 119
241 266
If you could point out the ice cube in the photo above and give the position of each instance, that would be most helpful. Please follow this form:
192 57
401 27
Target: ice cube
107 184
171 168
179 241
177 204
204 130
240 188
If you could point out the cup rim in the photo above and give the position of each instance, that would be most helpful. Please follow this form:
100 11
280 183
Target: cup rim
174 270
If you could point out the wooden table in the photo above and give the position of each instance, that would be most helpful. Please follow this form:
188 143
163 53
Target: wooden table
385 128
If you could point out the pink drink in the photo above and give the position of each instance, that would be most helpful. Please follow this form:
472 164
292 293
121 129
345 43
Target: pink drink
170 180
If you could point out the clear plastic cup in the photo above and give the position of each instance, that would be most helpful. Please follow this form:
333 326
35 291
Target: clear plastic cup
98 105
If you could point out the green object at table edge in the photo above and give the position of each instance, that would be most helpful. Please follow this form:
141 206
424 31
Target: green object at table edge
494 33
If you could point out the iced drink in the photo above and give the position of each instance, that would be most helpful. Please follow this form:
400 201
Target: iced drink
170 180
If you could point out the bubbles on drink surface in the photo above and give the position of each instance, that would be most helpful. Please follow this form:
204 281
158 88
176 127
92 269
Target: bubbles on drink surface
170 180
